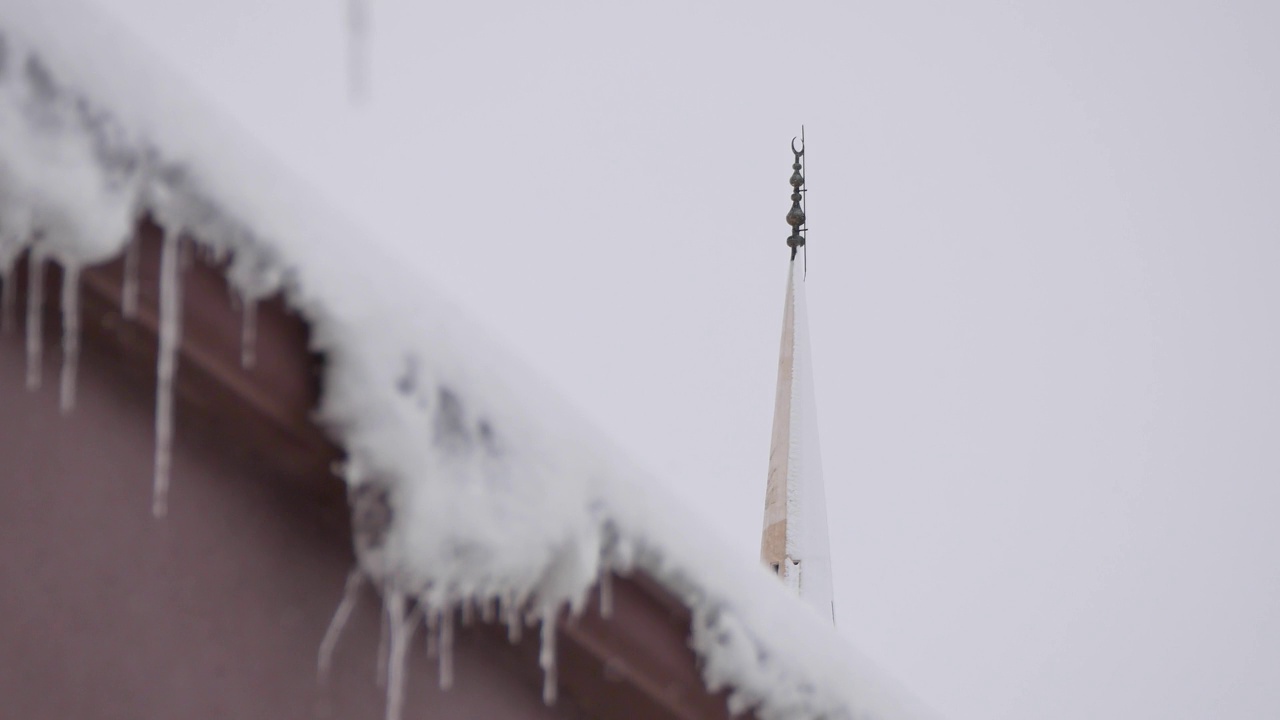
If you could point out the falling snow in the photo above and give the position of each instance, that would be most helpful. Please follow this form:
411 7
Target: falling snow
358 12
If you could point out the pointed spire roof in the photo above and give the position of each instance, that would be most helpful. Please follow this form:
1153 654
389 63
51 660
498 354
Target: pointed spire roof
795 542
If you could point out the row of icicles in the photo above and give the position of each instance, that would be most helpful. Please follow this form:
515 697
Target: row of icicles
402 615
175 257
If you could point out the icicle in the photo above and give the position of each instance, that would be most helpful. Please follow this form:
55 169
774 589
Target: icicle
129 285
70 335
166 368
7 296
402 628
487 609
606 592
384 638
468 612
357 48
446 649
35 311
511 613
433 624
249 334
547 655
350 596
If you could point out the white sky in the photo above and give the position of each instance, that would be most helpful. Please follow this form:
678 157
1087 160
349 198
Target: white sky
1042 289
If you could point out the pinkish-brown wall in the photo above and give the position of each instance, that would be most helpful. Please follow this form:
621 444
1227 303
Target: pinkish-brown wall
214 612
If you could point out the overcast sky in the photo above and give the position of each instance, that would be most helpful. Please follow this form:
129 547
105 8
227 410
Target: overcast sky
1042 287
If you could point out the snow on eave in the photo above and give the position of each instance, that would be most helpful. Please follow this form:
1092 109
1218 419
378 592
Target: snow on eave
469 482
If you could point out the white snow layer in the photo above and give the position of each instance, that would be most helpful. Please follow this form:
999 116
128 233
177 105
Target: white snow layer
468 484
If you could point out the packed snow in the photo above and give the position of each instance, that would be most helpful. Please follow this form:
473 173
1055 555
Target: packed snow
469 484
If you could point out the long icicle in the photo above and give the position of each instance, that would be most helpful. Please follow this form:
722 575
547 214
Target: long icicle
402 627
35 311
511 614
350 596
166 368
70 335
129 285
547 655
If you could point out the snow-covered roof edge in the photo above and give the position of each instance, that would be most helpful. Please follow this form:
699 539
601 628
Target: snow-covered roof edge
494 490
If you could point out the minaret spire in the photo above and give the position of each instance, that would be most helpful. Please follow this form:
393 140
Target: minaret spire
794 542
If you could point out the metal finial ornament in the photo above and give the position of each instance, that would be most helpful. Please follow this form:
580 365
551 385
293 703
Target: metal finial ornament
795 216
